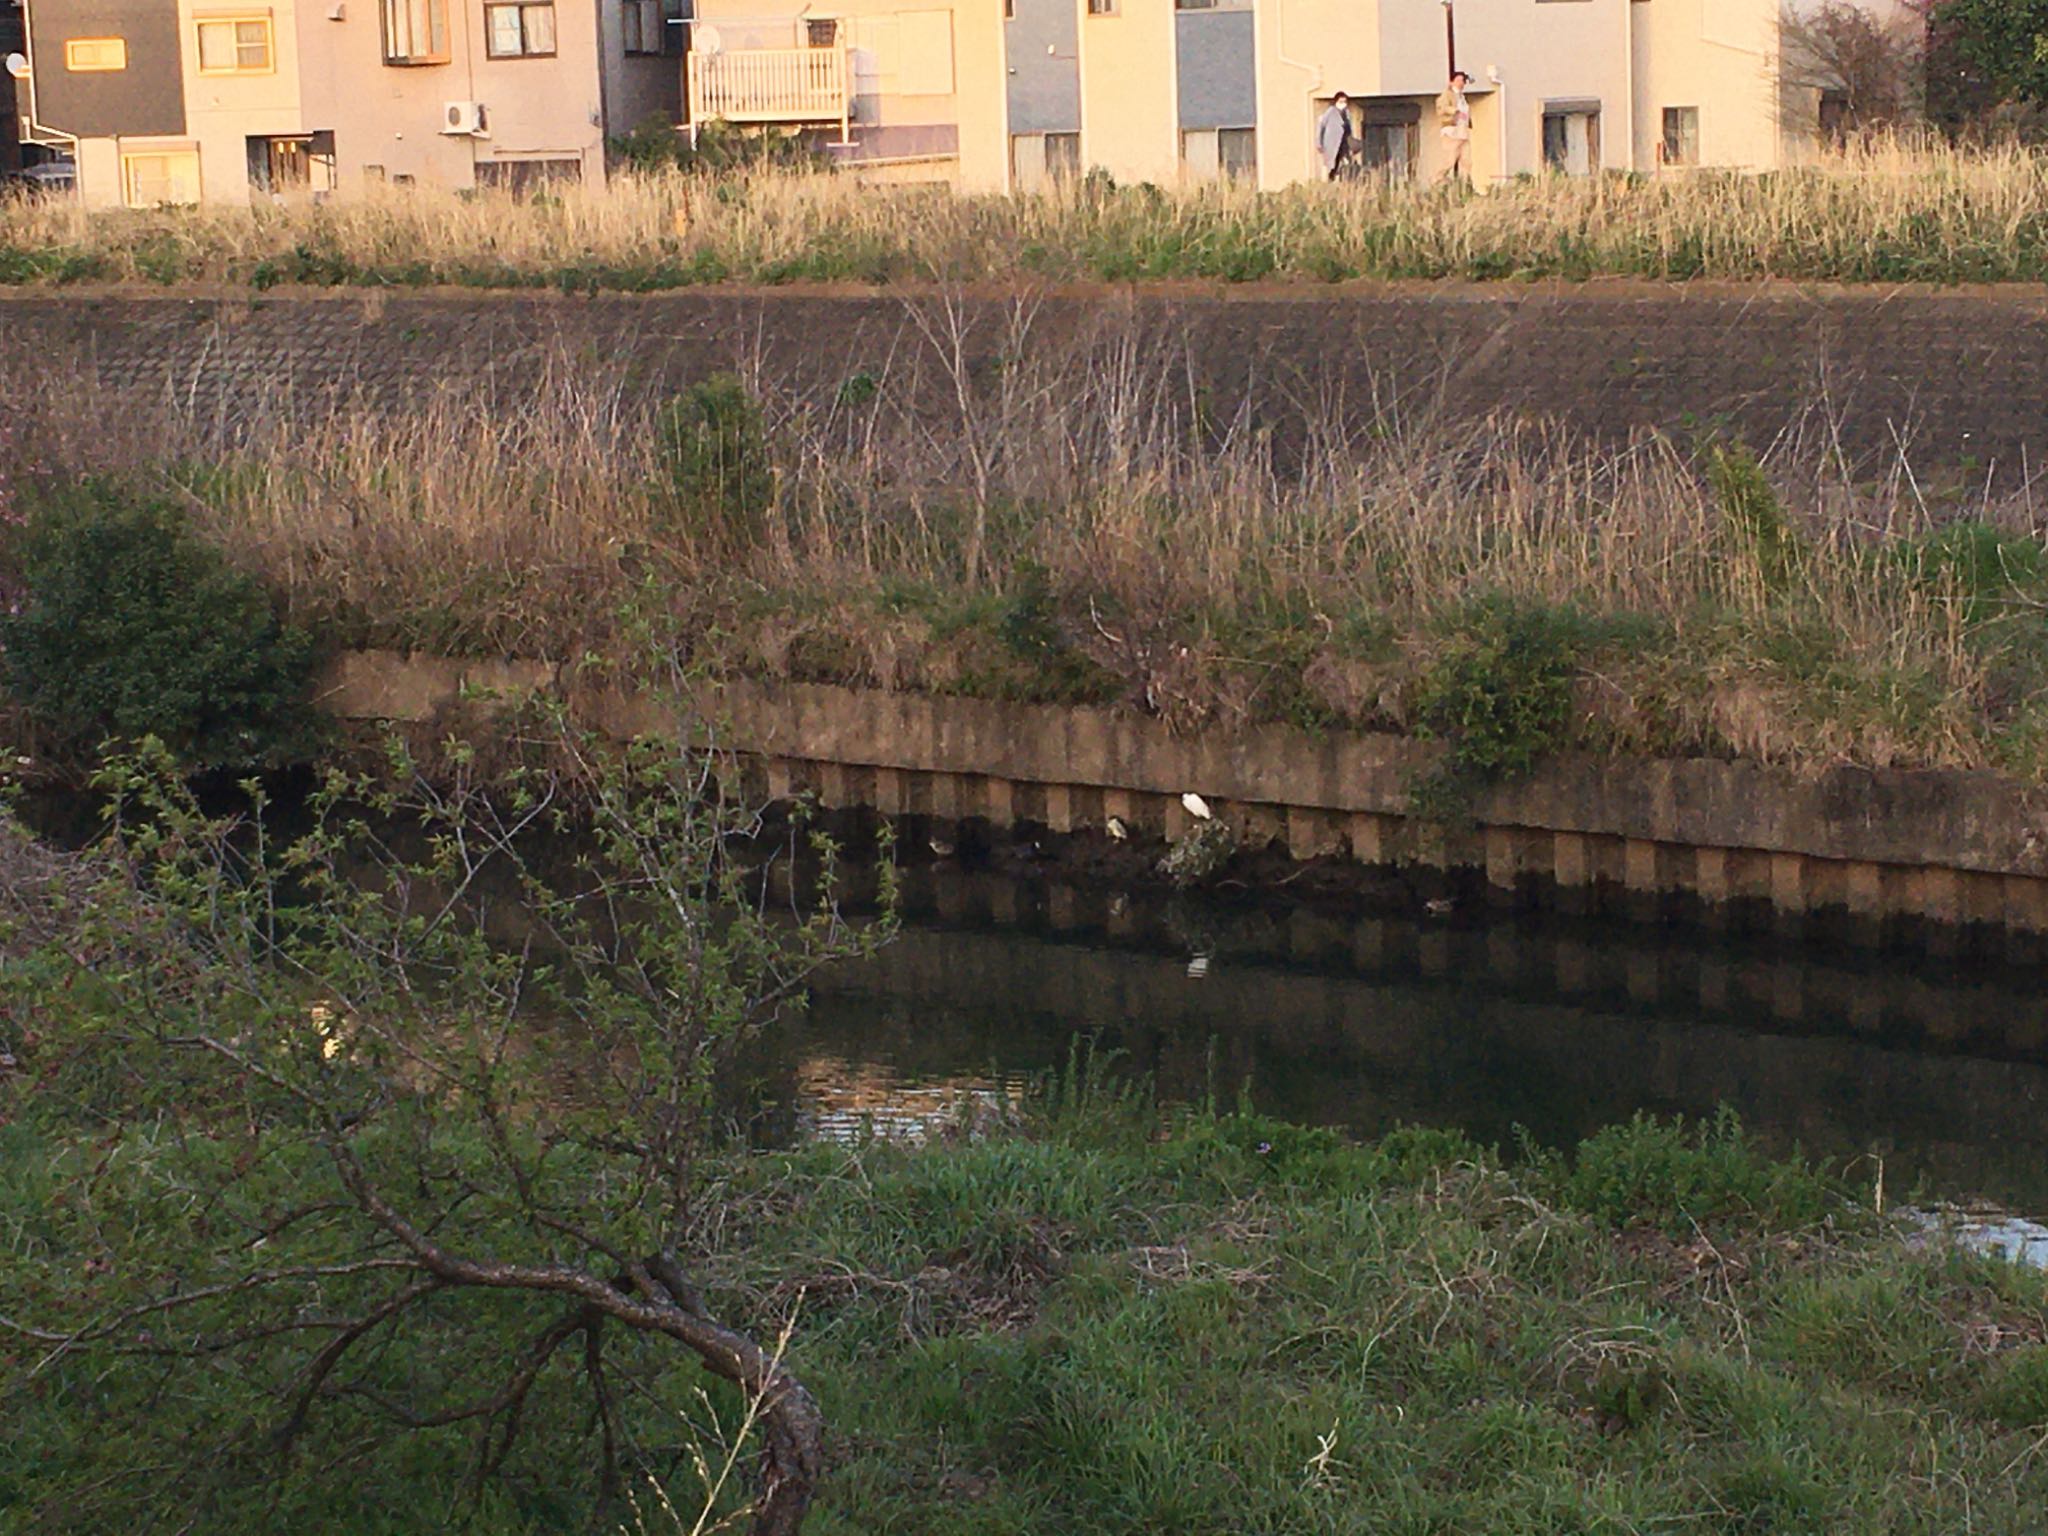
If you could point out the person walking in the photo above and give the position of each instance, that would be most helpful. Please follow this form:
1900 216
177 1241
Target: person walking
1454 113
1333 136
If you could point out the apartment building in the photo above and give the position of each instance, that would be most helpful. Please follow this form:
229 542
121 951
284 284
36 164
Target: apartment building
1006 94
176 101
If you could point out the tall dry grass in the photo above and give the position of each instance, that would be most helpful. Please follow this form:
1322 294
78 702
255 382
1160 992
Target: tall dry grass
1078 525
1885 211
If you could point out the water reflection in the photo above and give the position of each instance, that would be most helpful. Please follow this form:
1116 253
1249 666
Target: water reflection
849 1100
1367 1023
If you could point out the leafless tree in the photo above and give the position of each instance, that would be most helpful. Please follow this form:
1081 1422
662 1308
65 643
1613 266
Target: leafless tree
1874 62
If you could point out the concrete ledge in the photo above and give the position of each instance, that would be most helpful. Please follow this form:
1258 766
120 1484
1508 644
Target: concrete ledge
1950 848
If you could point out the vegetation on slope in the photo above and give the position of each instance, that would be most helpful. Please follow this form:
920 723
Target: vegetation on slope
1076 525
1889 212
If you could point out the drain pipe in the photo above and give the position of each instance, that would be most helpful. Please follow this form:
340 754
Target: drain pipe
1502 176
1628 43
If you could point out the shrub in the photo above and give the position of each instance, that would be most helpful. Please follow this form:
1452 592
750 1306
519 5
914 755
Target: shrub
1762 533
1499 695
713 452
1670 1174
135 627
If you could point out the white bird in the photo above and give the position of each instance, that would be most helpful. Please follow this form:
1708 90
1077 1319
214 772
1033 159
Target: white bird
1116 828
1441 907
1197 807
941 847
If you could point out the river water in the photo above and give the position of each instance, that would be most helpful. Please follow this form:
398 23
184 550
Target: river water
1936 1072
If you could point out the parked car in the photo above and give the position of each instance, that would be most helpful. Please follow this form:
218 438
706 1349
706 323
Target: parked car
52 178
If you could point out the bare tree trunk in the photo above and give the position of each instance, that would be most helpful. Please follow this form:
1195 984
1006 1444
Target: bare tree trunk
793 1427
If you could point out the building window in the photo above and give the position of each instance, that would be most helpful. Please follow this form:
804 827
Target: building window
525 178
519 31
237 45
1228 153
415 32
153 178
1571 139
1681 136
821 32
640 26
94 55
1039 159
1102 7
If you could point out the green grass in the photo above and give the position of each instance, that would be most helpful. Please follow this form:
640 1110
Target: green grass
1250 1328
1243 1327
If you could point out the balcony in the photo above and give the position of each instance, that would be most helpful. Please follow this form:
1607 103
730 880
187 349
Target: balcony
771 85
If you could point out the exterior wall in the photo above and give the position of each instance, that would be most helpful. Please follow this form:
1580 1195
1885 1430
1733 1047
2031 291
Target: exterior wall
223 111
147 97
391 117
1042 44
1720 56
1128 105
1217 70
907 87
981 70
1546 51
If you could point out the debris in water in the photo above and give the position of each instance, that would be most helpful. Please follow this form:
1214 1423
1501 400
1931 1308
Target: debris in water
1199 855
1982 1230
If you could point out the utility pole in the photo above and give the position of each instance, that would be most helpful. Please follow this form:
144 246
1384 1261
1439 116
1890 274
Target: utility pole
1450 37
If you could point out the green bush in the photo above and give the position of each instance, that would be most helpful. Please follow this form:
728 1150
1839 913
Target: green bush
134 627
1757 523
713 451
1670 1174
654 146
1499 696
1992 575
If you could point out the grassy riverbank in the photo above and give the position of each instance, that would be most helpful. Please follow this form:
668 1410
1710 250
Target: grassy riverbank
1074 526
1243 1327
1892 213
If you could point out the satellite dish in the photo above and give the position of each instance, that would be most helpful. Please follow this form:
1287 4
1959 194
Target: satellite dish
707 40
17 66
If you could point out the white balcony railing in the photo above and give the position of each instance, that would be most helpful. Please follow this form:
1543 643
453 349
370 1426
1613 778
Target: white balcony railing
771 85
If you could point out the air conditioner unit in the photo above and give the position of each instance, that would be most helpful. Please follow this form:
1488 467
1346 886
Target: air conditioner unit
465 117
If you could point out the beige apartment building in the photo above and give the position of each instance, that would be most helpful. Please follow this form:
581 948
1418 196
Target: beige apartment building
1004 94
227 101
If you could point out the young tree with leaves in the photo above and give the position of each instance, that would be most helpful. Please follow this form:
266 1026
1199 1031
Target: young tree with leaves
339 1161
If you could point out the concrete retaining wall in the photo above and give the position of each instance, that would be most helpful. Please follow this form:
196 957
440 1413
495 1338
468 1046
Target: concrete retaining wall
1944 850
1954 377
